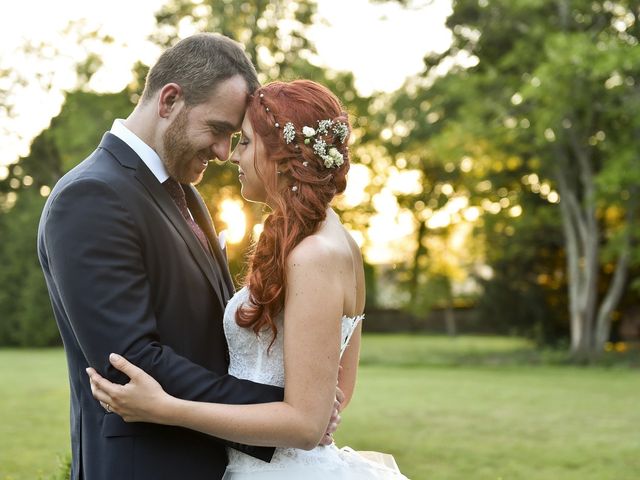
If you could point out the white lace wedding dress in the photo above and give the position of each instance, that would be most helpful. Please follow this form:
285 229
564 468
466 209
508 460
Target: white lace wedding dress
250 360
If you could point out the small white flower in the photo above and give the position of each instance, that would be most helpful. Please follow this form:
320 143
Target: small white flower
341 130
308 131
336 157
323 126
320 147
289 132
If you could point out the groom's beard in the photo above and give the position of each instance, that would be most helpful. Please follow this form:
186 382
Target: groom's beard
184 163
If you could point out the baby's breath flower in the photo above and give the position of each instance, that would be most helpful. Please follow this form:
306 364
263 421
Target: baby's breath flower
330 155
320 147
341 130
323 126
289 132
336 157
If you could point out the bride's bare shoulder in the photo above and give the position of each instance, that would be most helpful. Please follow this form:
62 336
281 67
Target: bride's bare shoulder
326 250
313 250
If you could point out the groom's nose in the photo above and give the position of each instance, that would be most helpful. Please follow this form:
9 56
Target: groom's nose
222 149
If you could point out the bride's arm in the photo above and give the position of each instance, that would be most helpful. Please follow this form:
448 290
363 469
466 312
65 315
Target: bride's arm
313 309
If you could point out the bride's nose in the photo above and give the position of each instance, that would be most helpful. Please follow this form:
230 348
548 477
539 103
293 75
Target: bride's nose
234 157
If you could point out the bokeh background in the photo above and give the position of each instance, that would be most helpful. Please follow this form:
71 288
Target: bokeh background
494 191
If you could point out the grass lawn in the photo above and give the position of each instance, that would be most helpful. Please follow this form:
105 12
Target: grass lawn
34 407
467 408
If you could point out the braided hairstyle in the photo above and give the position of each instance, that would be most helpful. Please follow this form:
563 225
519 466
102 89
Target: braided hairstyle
299 186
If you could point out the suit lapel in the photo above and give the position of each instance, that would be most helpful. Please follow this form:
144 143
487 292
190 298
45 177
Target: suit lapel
129 159
169 208
203 218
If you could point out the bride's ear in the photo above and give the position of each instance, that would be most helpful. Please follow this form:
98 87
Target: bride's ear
168 99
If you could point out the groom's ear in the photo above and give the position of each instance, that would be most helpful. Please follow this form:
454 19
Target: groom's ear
169 96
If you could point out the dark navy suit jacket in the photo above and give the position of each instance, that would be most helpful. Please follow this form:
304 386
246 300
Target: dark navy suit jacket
126 274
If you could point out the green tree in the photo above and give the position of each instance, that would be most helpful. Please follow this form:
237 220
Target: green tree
24 302
274 35
549 92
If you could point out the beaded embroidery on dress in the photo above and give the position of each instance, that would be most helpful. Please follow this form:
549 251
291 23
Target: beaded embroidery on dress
251 359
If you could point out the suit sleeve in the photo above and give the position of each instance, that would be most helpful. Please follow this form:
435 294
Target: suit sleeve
95 256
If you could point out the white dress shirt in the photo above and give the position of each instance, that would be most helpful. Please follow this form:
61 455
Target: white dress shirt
144 151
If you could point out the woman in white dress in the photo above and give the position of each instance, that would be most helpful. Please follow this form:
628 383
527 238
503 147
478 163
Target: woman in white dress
298 318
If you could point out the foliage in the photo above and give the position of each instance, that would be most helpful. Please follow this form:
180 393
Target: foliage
24 302
525 89
277 45
534 111
64 469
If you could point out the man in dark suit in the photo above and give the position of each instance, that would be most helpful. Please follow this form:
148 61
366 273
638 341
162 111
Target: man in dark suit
134 266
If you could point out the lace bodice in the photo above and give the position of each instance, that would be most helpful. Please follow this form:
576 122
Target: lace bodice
250 359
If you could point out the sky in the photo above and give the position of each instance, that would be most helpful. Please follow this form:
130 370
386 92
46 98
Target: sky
381 44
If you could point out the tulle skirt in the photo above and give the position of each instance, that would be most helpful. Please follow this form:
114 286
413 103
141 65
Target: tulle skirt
345 464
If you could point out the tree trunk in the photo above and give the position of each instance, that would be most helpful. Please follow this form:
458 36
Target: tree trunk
450 321
449 317
616 289
581 234
414 281
603 322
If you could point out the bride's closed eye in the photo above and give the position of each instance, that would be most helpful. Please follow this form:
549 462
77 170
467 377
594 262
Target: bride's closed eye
244 140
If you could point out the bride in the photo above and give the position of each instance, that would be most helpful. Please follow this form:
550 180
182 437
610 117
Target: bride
297 321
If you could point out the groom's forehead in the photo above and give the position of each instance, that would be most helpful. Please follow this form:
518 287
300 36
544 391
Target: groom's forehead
226 104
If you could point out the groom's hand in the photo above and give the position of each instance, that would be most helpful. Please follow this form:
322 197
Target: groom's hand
334 421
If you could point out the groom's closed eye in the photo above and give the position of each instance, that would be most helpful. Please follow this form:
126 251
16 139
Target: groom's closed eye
221 128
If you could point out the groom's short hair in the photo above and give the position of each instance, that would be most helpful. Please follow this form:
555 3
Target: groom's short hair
198 64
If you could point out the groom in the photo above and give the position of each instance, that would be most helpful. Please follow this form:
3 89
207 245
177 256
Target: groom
133 265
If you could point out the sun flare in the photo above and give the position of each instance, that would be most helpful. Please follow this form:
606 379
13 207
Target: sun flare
232 214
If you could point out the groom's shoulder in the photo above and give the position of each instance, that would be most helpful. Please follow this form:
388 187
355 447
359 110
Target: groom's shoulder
105 164
100 171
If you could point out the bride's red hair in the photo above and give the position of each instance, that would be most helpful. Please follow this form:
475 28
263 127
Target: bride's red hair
299 187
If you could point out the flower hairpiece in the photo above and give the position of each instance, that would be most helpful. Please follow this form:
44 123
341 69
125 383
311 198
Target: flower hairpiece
341 130
289 132
329 154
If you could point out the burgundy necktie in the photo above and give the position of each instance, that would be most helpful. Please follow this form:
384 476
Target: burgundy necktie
177 193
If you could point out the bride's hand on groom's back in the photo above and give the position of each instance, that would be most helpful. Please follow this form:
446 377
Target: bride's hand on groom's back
140 400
